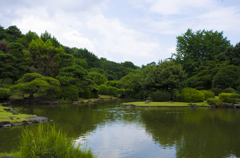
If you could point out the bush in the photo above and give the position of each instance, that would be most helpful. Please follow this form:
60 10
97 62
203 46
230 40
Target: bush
103 90
121 91
113 91
87 93
229 90
48 142
4 94
142 94
214 101
225 96
192 95
95 94
208 94
159 96
70 92
216 91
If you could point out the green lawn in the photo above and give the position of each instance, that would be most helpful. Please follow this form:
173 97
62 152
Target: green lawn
166 104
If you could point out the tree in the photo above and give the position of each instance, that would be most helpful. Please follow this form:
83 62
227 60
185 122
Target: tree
16 49
165 76
227 77
232 54
32 83
194 49
7 69
45 57
27 38
81 62
97 77
205 74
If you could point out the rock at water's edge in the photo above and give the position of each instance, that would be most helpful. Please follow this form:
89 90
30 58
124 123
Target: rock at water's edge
38 119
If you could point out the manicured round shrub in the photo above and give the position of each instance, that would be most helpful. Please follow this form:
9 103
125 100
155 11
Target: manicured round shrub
192 95
4 94
208 94
229 97
87 93
214 101
229 90
216 91
70 92
159 96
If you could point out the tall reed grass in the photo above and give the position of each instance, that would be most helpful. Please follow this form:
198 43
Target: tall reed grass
47 142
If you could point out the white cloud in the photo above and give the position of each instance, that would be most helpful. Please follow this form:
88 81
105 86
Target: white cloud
171 6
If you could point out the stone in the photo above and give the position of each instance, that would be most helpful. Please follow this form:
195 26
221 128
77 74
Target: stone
89 101
5 124
14 111
7 109
37 119
194 105
148 101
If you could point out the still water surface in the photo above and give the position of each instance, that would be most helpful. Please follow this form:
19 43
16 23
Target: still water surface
113 131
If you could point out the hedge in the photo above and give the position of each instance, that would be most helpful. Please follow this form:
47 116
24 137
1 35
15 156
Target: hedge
159 96
70 92
208 94
4 94
192 95
216 91
87 93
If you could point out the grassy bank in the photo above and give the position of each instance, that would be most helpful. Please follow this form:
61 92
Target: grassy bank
166 104
12 118
45 141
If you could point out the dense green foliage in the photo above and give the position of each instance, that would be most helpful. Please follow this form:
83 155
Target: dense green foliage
160 96
32 83
216 91
194 49
208 94
47 142
192 95
204 60
87 93
70 92
4 94
227 77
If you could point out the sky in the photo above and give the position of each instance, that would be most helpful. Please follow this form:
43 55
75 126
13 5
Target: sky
140 31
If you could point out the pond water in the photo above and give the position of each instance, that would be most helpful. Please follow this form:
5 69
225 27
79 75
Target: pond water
111 130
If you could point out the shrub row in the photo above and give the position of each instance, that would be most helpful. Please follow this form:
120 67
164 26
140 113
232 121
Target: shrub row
159 96
108 90
4 94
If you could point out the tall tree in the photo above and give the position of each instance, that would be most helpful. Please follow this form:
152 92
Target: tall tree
7 68
45 57
17 50
165 76
194 49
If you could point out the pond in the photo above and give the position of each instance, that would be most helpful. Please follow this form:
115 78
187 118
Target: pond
111 130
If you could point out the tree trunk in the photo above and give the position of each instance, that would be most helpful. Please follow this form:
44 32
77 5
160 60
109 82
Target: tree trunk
2 82
44 70
13 81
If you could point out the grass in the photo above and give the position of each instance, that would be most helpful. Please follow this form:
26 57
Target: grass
17 118
105 97
166 104
46 141
14 154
